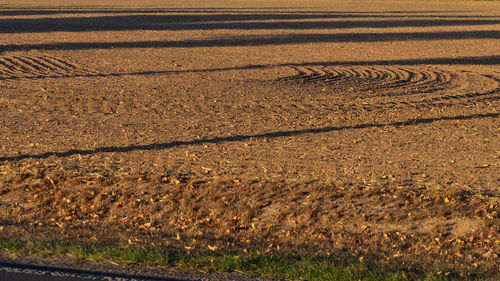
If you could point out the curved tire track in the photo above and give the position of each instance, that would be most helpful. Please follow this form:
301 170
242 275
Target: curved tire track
415 87
385 80
34 67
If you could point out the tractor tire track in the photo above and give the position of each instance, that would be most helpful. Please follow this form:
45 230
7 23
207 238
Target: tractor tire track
389 87
36 67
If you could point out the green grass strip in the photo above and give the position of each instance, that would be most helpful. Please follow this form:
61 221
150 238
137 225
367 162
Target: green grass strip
270 265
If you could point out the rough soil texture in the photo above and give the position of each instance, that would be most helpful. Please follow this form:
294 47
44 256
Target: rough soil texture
363 128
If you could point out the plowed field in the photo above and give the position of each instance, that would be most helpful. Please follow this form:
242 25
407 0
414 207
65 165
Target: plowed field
361 128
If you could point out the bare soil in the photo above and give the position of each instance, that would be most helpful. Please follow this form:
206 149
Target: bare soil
363 128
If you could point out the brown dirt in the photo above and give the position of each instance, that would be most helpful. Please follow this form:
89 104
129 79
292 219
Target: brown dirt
366 128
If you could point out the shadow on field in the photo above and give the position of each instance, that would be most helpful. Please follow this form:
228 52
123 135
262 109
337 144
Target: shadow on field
271 135
261 40
80 273
220 21
484 60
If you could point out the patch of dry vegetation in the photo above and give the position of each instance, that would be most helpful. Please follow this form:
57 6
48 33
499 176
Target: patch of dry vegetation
387 222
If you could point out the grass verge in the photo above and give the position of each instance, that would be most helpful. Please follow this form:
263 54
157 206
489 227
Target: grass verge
263 264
